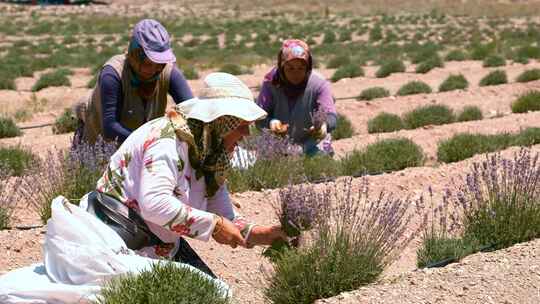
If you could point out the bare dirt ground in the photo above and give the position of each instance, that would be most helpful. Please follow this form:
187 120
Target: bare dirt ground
505 276
241 268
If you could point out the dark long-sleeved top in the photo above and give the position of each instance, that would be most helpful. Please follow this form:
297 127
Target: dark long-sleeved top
112 99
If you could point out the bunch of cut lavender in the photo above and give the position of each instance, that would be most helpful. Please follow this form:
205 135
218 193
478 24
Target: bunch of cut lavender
500 199
298 211
318 118
299 208
267 145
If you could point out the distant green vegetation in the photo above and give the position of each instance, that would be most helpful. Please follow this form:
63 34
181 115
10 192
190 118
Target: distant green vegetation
53 79
465 145
390 67
529 75
347 71
8 128
454 82
494 78
414 87
373 93
527 102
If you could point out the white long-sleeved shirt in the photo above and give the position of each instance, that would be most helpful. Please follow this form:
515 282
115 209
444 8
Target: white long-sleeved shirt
151 173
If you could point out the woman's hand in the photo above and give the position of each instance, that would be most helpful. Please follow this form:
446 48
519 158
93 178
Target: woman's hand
265 235
277 127
319 133
225 232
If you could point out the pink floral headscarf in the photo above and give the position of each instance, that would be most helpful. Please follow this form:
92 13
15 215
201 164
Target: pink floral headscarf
294 49
291 49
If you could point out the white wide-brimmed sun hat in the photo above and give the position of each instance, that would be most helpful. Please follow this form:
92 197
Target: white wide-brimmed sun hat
222 94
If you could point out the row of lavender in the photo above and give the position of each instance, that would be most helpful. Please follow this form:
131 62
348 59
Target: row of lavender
342 235
349 235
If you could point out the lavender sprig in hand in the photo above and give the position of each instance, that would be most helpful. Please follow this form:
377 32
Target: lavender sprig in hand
298 211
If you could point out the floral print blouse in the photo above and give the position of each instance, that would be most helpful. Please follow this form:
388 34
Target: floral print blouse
151 174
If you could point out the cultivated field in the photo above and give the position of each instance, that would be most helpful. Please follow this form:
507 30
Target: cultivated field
49 55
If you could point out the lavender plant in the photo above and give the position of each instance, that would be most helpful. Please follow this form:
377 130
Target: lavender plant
278 162
501 199
8 196
344 128
495 206
267 145
16 159
163 283
356 237
441 240
71 174
267 174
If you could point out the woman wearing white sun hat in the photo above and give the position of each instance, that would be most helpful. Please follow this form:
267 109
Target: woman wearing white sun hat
169 177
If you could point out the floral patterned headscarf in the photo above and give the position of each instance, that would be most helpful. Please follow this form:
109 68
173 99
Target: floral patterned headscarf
207 153
292 49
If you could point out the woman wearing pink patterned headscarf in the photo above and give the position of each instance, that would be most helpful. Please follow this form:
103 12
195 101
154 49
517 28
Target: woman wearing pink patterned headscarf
298 100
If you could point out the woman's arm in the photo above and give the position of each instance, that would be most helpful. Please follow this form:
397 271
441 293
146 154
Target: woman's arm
254 234
221 204
178 86
156 198
325 102
111 105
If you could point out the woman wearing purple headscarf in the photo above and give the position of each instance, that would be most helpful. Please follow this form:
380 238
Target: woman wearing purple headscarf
132 88
298 100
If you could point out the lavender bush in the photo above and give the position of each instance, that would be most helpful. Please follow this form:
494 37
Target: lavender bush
267 145
8 196
355 237
16 159
71 174
441 240
501 200
267 174
496 206
163 283
278 162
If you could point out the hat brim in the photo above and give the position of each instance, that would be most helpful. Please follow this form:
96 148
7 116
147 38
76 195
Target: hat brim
161 57
209 109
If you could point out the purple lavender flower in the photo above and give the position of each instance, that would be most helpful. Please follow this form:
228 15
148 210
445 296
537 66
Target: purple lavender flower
380 223
71 174
8 196
298 208
498 200
318 118
270 146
